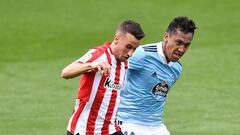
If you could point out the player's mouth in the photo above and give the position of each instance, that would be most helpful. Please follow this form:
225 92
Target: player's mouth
178 54
126 58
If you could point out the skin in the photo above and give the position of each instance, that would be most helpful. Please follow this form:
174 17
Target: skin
123 46
176 44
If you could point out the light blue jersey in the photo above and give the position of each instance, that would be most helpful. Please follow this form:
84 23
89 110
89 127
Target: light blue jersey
149 79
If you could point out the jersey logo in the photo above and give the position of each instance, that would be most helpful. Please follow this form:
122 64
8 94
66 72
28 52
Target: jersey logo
160 89
86 57
110 84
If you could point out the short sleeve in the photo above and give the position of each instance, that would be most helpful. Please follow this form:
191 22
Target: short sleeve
90 56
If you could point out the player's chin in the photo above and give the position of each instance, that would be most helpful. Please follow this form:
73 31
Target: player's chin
175 58
124 59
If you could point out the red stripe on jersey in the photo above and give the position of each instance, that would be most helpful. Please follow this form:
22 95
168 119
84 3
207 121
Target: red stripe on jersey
107 121
76 116
117 74
87 79
117 79
110 48
108 56
95 107
116 126
99 51
112 103
85 87
97 101
95 55
126 64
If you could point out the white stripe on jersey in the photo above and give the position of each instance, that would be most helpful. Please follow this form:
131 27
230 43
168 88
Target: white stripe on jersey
82 121
106 100
122 79
109 102
75 110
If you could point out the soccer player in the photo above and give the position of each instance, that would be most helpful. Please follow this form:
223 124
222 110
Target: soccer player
102 71
153 69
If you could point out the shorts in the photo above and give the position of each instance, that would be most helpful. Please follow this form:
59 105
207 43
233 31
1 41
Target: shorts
136 129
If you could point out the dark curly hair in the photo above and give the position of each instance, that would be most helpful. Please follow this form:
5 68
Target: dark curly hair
183 24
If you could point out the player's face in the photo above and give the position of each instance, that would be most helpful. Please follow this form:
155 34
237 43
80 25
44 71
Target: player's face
176 44
126 44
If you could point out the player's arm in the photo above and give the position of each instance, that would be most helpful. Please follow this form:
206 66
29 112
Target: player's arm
75 69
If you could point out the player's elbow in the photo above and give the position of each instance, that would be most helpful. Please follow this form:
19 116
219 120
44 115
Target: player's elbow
65 74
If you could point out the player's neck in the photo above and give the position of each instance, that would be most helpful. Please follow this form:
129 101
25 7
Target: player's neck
112 48
164 52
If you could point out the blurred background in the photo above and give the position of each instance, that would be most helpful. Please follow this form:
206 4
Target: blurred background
38 38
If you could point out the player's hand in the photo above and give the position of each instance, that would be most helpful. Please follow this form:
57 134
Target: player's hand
104 67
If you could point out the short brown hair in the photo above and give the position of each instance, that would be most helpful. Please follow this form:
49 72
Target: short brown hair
131 27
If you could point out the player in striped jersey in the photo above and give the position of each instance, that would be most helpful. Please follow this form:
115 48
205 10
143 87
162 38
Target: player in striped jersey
153 70
102 71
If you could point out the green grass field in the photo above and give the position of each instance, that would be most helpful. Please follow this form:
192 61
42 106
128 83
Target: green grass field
38 38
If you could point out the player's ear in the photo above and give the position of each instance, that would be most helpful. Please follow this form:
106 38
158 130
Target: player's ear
165 36
116 39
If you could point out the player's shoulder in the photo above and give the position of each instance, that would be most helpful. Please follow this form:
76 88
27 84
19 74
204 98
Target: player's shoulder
144 50
177 66
152 47
101 48
94 53
178 63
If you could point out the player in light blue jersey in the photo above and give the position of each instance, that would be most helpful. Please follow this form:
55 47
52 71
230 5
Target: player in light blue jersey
153 70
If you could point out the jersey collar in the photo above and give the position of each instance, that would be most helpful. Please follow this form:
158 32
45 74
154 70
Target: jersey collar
161 54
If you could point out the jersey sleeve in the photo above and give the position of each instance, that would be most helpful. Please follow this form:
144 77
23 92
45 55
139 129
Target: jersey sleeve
136 61
90 56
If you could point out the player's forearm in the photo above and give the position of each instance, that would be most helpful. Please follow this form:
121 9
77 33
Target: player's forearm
75 69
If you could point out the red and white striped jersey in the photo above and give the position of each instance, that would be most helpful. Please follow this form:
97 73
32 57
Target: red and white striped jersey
98 96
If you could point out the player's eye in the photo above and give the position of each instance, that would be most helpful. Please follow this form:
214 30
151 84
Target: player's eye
129 46
178 42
